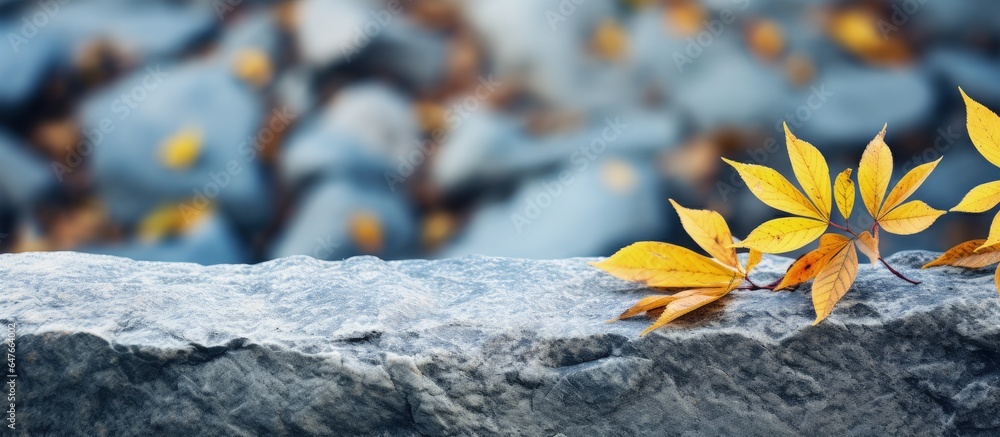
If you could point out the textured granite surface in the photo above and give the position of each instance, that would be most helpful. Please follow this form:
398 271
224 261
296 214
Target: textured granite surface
477 345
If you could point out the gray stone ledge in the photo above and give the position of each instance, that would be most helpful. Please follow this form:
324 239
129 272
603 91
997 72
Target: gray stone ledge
478 345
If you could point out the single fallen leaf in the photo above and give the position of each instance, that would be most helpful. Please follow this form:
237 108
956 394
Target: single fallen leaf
984 129
253 66
774 190
874 173
965 255
980 199
868 245
753 259
366 232
807 266
811 171
907 186
685 305
646 304
859 31
685 17
833 281
845 193
181 150
765 39
709 230
666 265
784 234
651 303
610 41
910 218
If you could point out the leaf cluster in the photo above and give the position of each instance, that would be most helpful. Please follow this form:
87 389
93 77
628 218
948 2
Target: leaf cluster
697 280
984 130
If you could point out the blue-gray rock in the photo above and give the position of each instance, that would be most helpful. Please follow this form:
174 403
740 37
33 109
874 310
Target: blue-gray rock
851 104
328 220
329 32
710 89
144 30
583 208
486 346
128 124
490 148
25 177
974 72
209 242
548 53
25 61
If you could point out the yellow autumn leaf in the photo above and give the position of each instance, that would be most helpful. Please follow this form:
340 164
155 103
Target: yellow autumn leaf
874 173
807 266
610 41
665 265
984 129
650 303
253 66
774 190
868 245
845 193
646 304
980 199
709 230
833 281
994 238
784 234
753 259
908 185
909 218
685 305
811 171
181 150
965 255
862 33
996 278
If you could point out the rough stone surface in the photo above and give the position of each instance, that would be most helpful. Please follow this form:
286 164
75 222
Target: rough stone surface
478 345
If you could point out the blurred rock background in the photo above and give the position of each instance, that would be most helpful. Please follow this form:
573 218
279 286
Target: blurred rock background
232 131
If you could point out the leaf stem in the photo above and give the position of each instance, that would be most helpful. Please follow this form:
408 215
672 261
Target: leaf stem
753 286
844 228
897 273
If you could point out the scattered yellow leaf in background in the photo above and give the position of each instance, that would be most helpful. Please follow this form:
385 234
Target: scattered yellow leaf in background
253 66
181 150
366 232
610 41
